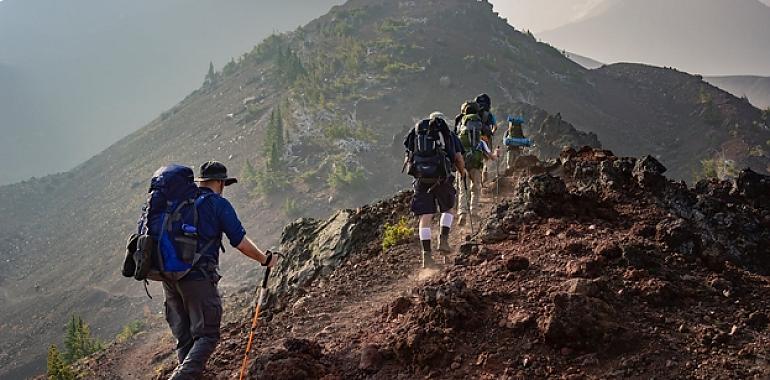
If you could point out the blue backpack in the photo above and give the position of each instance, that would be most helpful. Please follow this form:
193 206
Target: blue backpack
166 246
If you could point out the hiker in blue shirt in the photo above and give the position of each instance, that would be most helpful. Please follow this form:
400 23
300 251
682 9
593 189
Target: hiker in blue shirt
193 304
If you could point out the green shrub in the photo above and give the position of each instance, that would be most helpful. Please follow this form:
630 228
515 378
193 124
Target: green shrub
269 182
129 330
336 131
395 234
757 151
291 208
268 49
230 68
708 169
719 168
342 178
393 25
397 68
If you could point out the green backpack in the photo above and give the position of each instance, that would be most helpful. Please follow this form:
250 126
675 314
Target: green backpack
470 136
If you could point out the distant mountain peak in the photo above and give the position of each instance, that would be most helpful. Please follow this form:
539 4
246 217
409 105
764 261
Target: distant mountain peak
693 30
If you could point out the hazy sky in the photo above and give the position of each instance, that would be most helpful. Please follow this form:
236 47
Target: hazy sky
540 15
78 75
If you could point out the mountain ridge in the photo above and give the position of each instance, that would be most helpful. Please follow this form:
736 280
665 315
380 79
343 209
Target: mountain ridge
346 86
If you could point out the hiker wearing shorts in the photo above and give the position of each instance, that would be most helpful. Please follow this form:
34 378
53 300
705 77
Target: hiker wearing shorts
433 157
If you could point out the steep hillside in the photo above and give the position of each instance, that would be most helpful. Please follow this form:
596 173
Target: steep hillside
714 37
313 121
608 271
756 89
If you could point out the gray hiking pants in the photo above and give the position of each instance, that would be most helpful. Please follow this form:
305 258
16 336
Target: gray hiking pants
194 313
474 192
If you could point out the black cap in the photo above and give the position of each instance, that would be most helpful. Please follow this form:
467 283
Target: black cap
215 171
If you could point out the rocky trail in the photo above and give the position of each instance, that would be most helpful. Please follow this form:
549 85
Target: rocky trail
607 271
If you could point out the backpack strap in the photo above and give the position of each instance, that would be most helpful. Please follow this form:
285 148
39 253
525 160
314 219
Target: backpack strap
197 203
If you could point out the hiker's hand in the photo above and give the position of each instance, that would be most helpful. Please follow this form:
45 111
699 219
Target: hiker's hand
270 259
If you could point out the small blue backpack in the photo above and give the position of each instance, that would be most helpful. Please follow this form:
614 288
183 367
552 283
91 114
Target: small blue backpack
166 245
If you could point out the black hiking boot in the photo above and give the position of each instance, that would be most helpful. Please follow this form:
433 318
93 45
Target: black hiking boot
427 260
443 244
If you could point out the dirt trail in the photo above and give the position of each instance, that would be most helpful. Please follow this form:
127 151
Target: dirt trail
139 358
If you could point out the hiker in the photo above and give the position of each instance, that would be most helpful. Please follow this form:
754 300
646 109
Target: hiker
513 149
433 157
490 122
475 137
193 304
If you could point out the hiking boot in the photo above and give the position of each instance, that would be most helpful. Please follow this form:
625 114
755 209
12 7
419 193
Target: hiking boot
443 244
427 261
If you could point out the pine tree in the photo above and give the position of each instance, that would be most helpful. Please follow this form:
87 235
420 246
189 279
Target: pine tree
279 141
249 175
72 348
211 76
78 342
274 142
57 368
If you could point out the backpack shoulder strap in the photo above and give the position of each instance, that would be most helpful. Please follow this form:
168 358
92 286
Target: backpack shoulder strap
202 197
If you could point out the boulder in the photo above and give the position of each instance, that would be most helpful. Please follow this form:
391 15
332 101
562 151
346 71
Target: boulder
580 322
648 173
754 187
371 358
516 263
588 267
678 236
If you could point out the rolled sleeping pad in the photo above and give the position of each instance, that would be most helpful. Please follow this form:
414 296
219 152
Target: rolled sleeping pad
513 141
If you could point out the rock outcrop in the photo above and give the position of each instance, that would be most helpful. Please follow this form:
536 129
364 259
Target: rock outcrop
728 220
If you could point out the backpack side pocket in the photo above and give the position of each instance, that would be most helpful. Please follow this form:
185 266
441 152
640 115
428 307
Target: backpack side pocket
129 265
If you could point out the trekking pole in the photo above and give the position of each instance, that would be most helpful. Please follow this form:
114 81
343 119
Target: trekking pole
468 201
497 176
263 292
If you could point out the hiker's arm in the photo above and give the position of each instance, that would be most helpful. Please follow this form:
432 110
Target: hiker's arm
491 154
248 248
235 232
459 164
